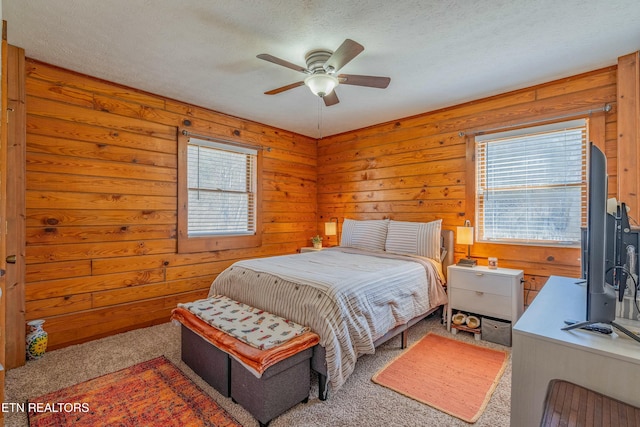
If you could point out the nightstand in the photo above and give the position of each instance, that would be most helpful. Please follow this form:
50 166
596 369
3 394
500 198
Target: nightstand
489 292
309 249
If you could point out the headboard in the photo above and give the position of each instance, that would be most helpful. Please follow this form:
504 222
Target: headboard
448 243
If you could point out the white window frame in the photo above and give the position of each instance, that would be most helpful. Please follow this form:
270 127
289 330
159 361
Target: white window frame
566 194
196 184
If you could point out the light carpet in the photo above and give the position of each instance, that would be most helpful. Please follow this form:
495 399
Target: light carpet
453 376
359 402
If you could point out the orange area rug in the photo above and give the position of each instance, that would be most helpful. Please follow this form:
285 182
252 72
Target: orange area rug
152 393
452 376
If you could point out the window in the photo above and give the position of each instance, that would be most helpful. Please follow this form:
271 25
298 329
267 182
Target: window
219 198
221 188
531 184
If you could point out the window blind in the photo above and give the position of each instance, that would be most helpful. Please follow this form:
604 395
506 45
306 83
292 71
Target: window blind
221 189
531 184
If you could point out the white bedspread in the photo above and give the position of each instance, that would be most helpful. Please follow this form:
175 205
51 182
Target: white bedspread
348 297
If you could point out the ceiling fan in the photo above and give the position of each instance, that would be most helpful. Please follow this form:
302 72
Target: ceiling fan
322 66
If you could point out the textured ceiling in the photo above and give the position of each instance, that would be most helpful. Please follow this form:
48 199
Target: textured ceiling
437 53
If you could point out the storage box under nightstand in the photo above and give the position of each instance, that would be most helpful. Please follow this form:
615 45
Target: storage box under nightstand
496 331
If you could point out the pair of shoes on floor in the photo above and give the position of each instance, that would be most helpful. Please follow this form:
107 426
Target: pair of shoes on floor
461 319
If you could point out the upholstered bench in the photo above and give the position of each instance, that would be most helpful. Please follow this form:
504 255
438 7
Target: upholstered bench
264 381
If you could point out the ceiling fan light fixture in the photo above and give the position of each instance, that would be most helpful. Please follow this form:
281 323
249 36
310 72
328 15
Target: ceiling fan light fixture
321 84
322 70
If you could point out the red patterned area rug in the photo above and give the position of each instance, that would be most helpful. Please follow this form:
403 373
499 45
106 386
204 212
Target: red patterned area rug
152 393
452 376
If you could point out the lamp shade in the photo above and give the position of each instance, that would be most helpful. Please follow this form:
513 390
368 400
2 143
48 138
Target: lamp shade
330 229
321 84
464 236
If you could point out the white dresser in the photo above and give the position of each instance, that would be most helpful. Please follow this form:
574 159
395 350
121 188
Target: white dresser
542 351
490 292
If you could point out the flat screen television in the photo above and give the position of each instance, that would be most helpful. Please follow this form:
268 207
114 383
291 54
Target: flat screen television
604 246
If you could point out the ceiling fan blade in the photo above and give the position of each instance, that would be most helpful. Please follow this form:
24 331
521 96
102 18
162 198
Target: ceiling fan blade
331 99
283 88
369 81
278 61
345 53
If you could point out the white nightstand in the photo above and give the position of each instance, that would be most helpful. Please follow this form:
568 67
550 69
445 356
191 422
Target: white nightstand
490 292
309 249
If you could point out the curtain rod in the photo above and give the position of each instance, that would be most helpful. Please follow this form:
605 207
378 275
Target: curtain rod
606 108
226 141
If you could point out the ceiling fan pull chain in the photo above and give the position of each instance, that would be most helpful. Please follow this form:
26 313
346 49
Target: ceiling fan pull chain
320 117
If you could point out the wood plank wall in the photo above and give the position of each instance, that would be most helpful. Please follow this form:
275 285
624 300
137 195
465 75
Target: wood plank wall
101 191
101 203
629 132
421 168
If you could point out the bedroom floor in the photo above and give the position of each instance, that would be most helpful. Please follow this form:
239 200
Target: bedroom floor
358 402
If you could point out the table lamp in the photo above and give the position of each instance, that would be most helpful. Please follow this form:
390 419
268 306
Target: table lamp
331 227
464 236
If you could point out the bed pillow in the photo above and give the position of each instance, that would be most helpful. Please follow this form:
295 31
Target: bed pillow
417 238
370 234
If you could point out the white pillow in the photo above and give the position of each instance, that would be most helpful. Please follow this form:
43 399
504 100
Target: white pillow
370 234
417 238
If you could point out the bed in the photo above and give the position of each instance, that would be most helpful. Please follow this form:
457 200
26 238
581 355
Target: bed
384 277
